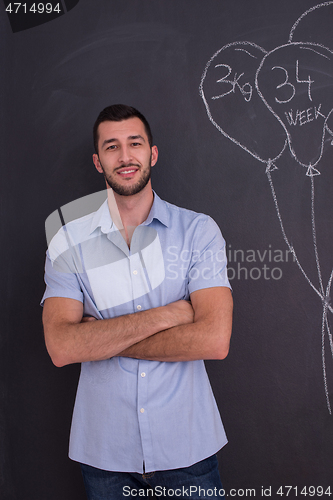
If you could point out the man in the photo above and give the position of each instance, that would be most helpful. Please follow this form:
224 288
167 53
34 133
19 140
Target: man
138 293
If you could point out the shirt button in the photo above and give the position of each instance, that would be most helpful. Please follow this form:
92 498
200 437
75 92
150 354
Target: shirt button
142 410
135 272
143 374
139 307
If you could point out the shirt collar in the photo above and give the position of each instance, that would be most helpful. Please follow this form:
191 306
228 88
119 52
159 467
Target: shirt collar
102 217
158 211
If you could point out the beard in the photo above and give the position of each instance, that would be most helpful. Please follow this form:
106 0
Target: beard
123 190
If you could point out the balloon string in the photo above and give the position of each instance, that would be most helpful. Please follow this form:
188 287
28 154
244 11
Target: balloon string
324 297
325 324
314 237
291 248
328 292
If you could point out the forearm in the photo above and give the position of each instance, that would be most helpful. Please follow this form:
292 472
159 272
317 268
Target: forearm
208 337
183 343
76 341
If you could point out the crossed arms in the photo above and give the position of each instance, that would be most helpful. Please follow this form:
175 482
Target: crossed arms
180 331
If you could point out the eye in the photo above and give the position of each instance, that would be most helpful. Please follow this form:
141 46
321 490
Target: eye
135 144
112 146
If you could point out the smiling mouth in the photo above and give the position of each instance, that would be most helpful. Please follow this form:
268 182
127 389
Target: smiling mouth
127 171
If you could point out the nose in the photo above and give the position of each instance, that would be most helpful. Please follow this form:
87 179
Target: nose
125 155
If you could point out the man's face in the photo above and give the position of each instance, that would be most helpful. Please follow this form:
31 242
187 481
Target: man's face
124 155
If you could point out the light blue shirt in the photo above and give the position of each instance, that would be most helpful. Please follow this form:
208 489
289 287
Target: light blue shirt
132 412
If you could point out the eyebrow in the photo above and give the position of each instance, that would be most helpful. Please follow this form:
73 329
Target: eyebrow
130 137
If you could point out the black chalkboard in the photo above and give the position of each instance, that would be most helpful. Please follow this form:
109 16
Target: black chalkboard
238 95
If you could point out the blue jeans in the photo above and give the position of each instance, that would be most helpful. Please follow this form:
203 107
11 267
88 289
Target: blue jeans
199 481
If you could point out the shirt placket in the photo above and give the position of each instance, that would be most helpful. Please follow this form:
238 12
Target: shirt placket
143 412
139 287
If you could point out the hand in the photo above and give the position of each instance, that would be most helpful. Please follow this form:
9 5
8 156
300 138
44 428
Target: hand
85 319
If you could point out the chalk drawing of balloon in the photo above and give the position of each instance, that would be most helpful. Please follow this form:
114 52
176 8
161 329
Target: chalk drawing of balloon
329 125
314 25
306 29
233 105
266 101
295 81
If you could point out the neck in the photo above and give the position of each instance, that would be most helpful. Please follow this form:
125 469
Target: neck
128 212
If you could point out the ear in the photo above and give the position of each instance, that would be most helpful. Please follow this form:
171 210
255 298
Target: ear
97 163
154 155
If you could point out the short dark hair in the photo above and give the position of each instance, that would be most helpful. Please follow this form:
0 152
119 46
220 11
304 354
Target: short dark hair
118 113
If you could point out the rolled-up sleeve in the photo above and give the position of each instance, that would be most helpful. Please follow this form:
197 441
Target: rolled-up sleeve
61 283
209 261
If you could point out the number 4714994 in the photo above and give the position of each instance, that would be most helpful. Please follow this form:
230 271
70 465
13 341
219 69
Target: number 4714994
35 8
310 491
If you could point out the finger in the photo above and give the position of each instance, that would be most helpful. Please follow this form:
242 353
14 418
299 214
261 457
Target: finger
85 319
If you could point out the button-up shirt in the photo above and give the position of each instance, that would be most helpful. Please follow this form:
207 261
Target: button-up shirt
129 413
